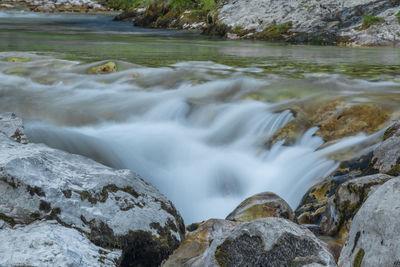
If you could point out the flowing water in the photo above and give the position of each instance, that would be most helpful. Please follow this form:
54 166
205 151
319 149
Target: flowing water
192 115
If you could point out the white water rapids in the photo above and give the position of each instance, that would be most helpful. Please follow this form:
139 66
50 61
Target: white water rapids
187 129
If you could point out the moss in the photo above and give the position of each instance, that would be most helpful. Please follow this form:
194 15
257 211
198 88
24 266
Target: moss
398 16
358 234
275 32
7 219
35 191
86 195
368 21
388 133
44 206
359 258
141 248
67 193
17 59
395 170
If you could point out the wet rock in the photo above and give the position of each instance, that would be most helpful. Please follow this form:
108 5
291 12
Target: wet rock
373 234
352 120
262 242
261 205
314 202
12 127
386 157
106 68
346 201
393 130
47 243
115 209
17 59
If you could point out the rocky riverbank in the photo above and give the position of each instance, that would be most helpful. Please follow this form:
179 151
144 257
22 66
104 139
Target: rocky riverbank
353 23
62 209
52 6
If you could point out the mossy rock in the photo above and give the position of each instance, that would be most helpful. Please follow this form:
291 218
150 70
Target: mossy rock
17 59
109 67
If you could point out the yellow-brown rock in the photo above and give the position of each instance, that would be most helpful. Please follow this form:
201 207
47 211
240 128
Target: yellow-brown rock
106 68
367 118
261 205
197 242
17 59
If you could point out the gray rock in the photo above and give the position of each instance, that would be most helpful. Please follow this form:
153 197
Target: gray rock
387 155
114 208
47 243
316 20
261 205
373 234
12 127
346 201
262 242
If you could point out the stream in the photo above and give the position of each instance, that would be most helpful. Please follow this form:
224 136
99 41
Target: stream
191 114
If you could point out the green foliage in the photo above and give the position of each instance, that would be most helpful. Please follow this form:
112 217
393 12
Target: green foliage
279 27
369 20
207 4
398 16
181 5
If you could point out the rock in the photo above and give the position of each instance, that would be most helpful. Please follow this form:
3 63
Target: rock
314 21
262 205
47 243
113 208
17 59
106 68
352 120
262 242
12 127
386 157
314 202
346 201
393 130
373 234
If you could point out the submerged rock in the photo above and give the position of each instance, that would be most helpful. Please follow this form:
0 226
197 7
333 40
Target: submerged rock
47 243
262 242
115 209
373 234
106 68
261 205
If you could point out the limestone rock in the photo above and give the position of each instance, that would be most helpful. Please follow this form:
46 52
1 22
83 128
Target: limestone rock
12 127
262 242
47 243
261 205
114 208
316 21
373 234
106 68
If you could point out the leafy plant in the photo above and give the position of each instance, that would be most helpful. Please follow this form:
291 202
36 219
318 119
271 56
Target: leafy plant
369 20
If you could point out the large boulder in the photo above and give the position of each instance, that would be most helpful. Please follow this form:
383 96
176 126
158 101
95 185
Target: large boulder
261 205
373 234
115 209
47 243
262 242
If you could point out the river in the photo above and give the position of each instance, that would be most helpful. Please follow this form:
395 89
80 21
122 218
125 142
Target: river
191 114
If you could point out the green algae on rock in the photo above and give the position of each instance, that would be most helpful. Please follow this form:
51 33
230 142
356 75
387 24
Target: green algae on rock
106 68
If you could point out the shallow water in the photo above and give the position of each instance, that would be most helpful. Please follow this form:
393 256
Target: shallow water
181 111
